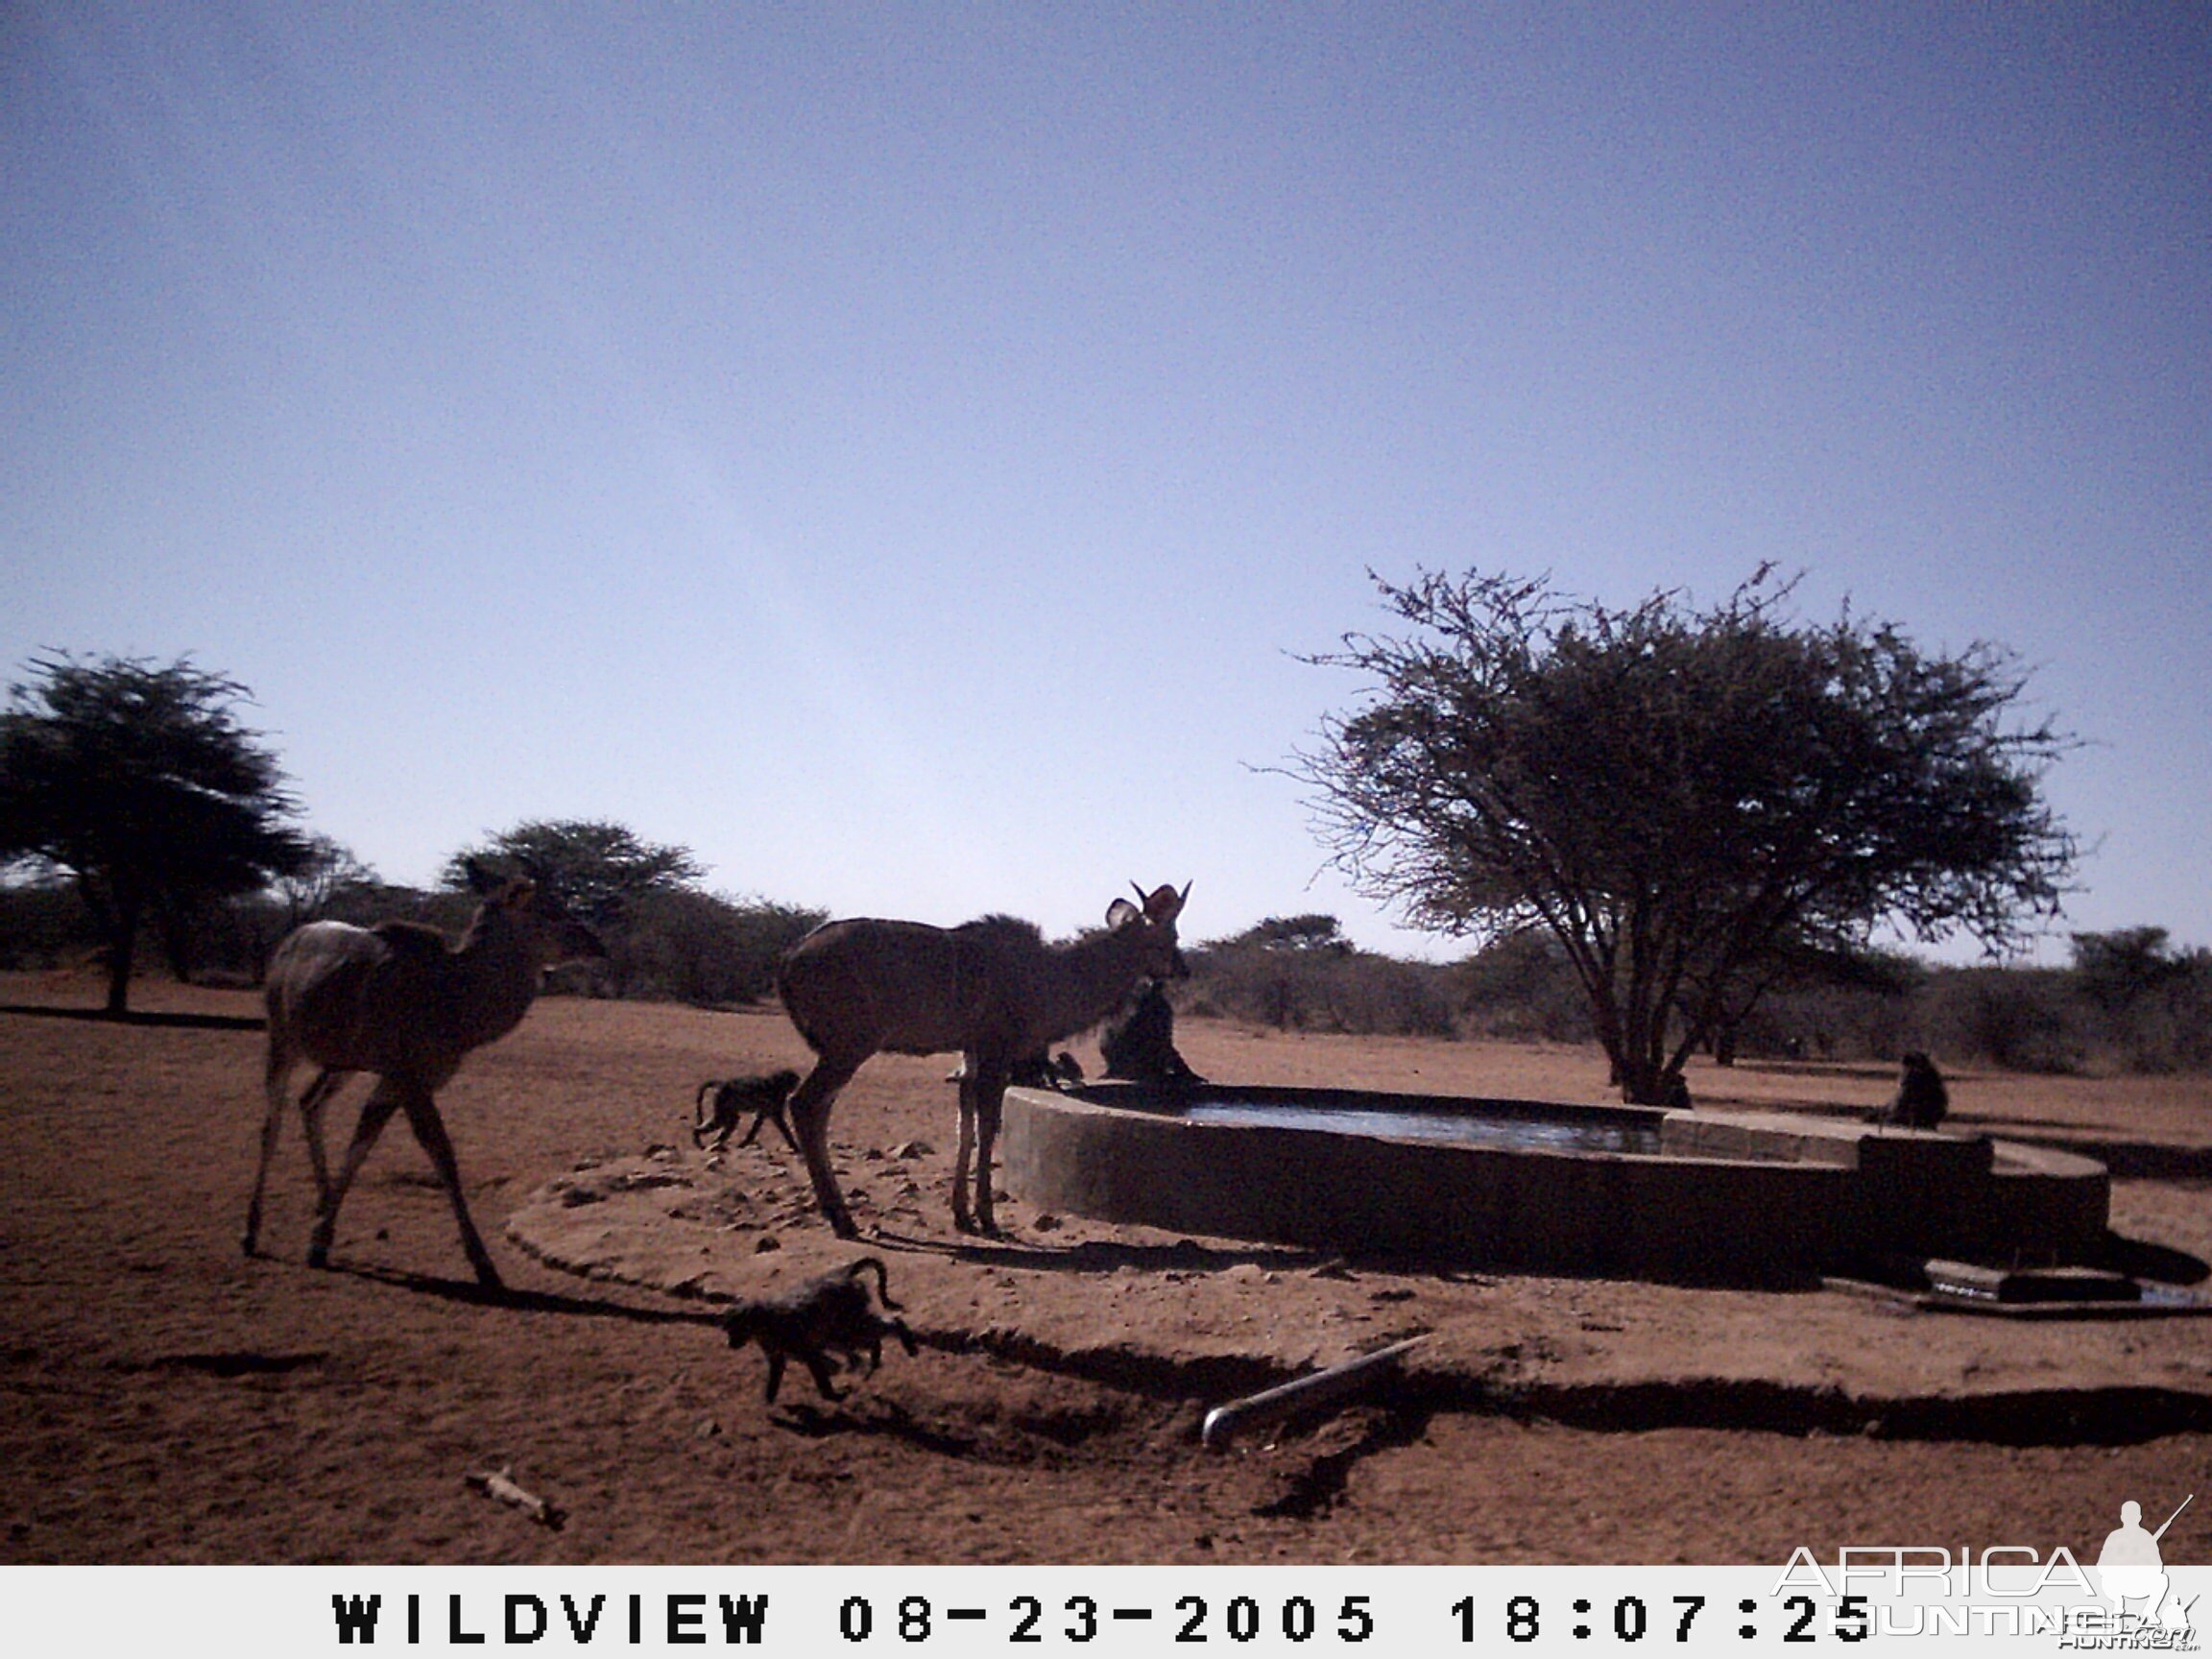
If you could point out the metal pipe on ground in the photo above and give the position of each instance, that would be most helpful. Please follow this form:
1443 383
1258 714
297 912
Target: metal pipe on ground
1224 1423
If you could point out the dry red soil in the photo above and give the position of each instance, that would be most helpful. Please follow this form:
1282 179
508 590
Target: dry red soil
162 1398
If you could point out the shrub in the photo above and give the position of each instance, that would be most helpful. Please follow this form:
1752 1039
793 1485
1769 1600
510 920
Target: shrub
708 948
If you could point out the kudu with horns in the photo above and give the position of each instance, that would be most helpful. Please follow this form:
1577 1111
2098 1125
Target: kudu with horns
399 1001
992 989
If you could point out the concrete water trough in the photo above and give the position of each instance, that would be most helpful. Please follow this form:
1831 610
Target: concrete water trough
1633 1191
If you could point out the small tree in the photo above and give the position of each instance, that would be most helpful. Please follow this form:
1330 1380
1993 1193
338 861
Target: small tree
601 868
1317 931
2119 970
329 884
604 869
326 872
2152 999
140 782
709 949
1686 801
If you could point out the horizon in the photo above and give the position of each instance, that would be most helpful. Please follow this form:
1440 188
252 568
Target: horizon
903 456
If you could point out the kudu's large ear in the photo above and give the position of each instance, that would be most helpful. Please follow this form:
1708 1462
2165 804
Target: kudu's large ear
1120 913
1163 904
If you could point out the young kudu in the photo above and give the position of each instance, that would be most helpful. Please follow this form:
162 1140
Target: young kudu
397 1000
994 990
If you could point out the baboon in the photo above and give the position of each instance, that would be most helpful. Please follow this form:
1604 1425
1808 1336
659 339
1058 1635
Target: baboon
829 1315
1921 1100
1139 1045
1040 1070
1061 1071
734 1096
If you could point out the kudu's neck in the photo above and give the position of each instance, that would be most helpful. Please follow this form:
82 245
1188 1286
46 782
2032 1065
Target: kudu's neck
1098 974
496 973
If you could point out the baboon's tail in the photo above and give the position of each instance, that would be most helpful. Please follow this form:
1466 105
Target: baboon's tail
882 1278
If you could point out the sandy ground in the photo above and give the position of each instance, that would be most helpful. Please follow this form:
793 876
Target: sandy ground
164 1399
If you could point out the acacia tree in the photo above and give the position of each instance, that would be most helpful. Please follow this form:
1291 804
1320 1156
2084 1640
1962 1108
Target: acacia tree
1688 801
140 783
328 870
600 867
605 870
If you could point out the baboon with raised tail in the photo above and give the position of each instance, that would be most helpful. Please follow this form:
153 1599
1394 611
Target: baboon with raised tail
830 1316
735 1096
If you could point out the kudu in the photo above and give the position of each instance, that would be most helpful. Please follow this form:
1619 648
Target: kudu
994 990
402 1002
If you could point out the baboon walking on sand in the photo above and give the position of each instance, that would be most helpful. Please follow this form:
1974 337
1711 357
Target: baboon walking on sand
733 1098
830 1316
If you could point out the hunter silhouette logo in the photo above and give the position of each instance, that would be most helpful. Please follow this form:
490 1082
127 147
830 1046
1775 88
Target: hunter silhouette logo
2131 1568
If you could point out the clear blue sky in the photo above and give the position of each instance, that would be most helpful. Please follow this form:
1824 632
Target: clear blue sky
899 451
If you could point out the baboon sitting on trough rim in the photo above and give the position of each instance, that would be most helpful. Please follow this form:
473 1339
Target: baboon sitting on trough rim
1139 1045
1921 1100
829 1314
762 1097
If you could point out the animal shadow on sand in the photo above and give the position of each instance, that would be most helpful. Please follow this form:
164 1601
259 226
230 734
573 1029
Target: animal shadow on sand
874 1417
1315 1488
150 1020
2161 1265
477 1295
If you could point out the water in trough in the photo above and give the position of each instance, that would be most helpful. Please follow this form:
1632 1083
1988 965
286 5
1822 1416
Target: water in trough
1522 1130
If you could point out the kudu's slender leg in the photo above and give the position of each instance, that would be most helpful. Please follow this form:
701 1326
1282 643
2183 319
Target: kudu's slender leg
990 1100
327 1083
971 1068
809 1110
430 1129
376 1111
275 1083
